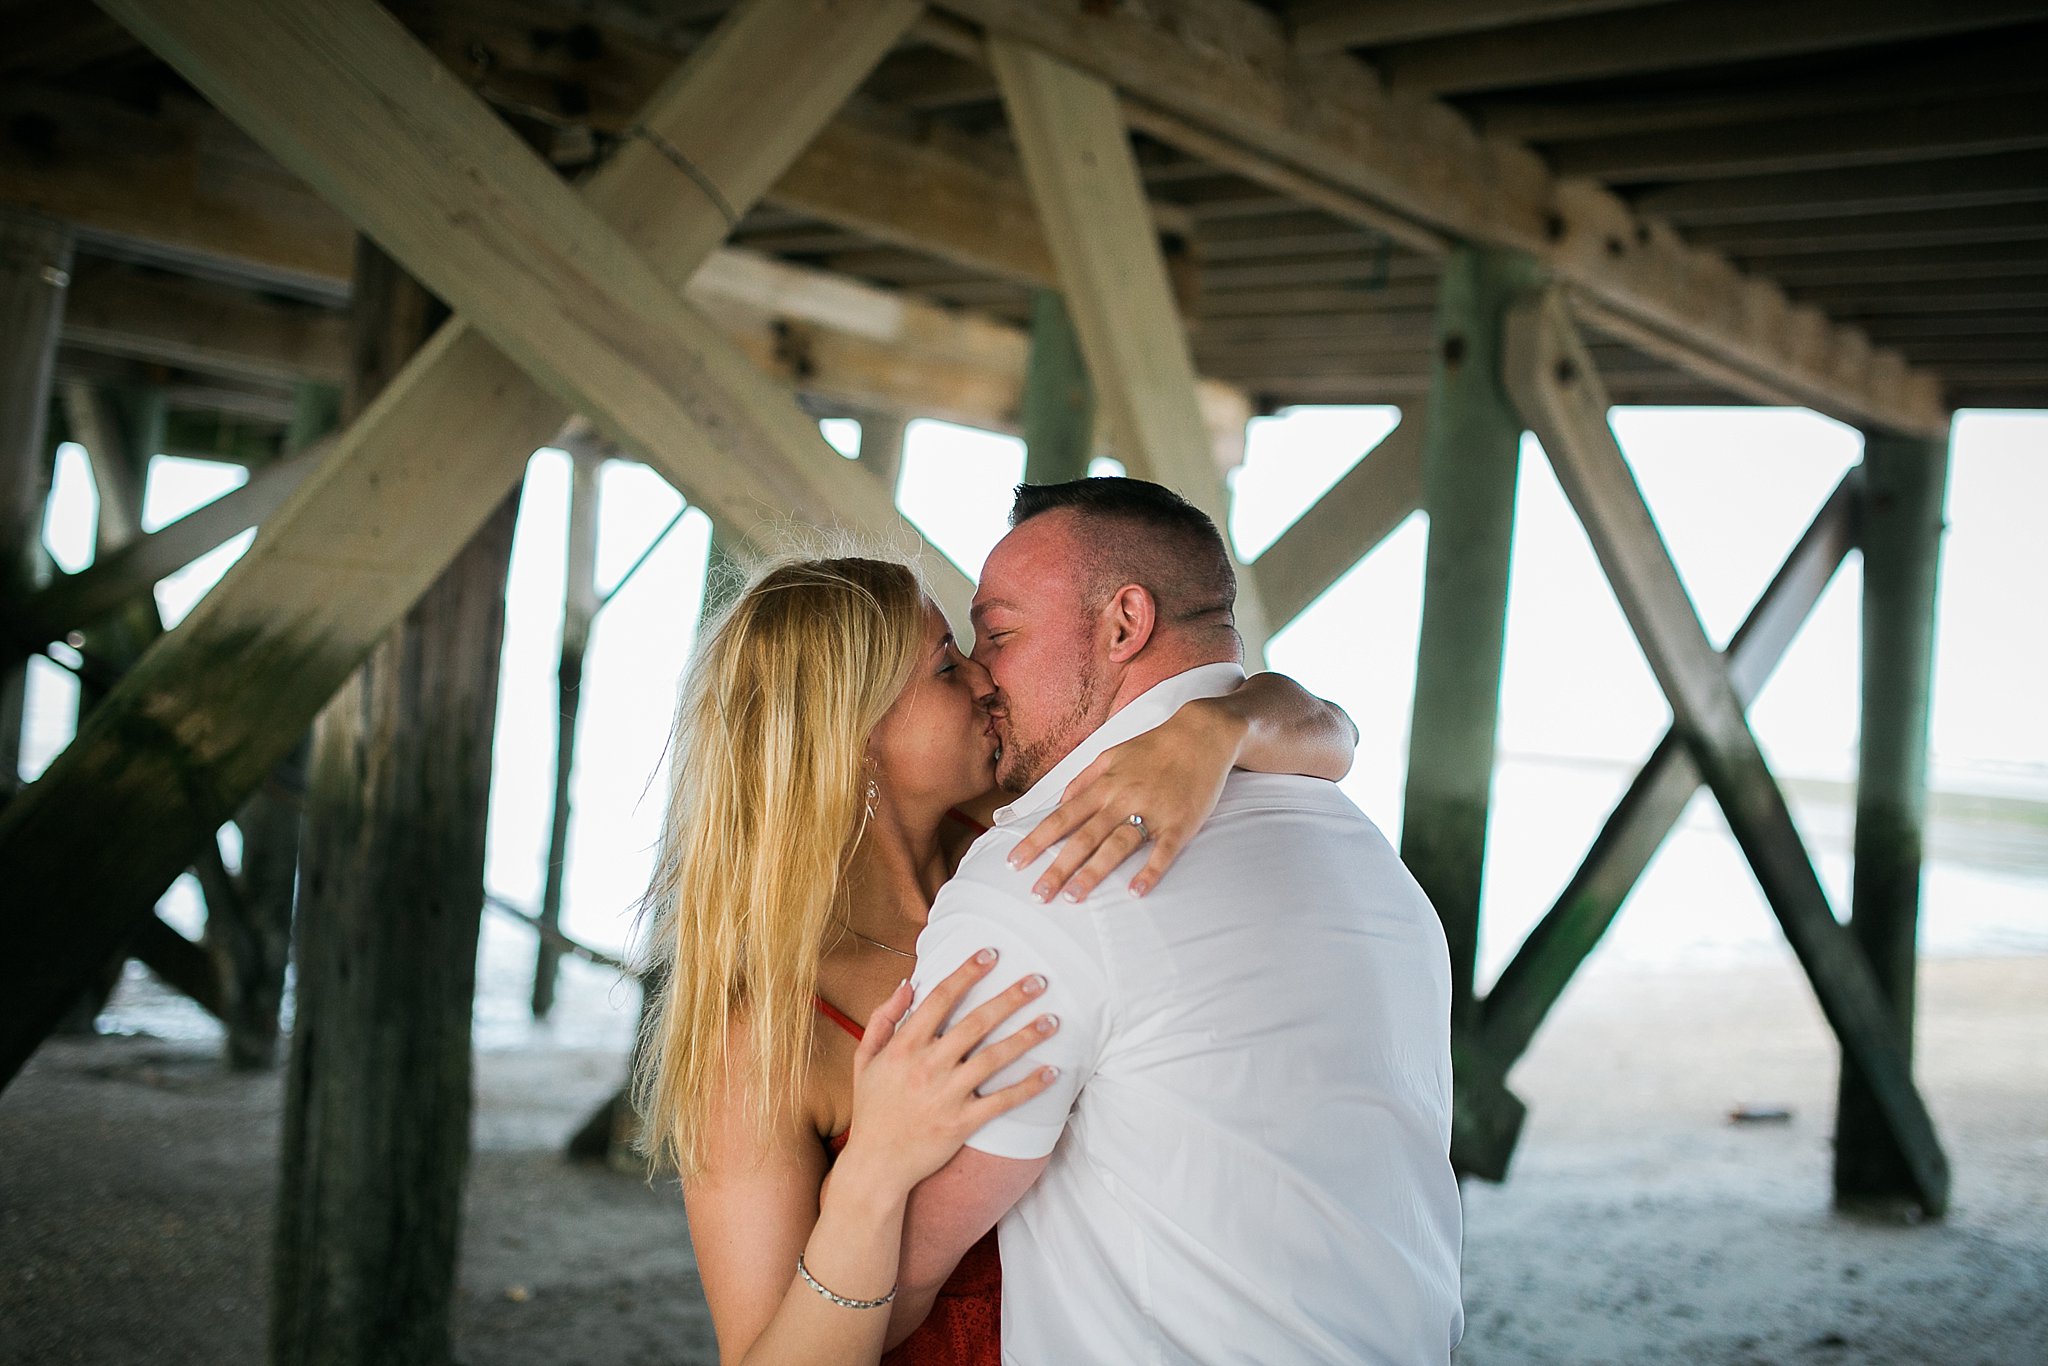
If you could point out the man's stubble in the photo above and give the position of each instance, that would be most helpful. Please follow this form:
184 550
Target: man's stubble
1024 762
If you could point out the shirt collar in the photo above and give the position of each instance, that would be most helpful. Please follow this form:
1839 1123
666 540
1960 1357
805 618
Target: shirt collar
1144 712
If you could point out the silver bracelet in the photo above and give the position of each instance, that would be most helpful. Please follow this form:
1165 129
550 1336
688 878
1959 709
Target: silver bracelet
840 1300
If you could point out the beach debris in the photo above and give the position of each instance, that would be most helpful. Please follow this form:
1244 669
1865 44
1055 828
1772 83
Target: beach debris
1760 1114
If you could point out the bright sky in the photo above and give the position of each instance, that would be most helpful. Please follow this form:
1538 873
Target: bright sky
1730 488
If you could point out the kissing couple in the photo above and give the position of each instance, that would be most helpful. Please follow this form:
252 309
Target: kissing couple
931 1102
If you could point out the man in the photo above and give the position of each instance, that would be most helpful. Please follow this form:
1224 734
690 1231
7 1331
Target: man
1245 1156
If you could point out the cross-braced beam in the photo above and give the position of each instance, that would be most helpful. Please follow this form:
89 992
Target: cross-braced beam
1085 184
1560 395
1531 983
1346 524
207 713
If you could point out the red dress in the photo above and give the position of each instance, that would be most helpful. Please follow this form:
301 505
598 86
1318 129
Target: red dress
965 1325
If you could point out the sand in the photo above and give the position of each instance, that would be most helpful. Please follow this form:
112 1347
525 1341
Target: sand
1638 1224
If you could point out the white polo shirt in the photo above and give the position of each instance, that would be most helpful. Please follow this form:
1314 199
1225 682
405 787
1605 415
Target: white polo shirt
1250 1132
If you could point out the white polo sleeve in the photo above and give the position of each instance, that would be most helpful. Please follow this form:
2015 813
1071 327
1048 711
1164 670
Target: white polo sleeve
1056 940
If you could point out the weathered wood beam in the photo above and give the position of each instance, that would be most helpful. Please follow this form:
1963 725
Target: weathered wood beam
1346 524
74 601
185 182
1330 25
1471 462
1674 37
180 964
205 716
1906 481
200 326
378 1093
1559 393
1991 224
613 337
1909 263
35 266
1537 975
1228 66
2026 293
1920 131
1059 399
2008 63
579 613
1953 183
1084 181
1950 325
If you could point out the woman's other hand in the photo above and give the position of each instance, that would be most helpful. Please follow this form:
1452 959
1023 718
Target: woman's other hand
916 1093
1171 775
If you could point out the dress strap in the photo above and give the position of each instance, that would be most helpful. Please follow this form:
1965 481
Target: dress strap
956 814
838 1017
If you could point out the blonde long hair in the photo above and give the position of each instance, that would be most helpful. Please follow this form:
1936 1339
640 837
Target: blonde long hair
767 801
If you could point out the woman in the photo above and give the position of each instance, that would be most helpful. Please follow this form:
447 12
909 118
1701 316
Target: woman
832 761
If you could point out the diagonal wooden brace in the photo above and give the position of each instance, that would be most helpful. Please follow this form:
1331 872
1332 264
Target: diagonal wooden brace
1551 376
205 715
1530 985
1374 497
1084 180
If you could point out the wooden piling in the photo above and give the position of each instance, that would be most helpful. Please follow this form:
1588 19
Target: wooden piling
1905 479
579 608
881 446
1059 398
376 1136
35 269
1472 440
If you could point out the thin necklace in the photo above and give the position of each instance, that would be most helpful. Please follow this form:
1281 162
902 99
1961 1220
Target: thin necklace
865 939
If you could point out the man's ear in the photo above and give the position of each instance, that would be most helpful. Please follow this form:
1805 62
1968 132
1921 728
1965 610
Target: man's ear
1128 619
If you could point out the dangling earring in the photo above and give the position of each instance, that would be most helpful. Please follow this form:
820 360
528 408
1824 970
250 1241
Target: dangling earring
872 793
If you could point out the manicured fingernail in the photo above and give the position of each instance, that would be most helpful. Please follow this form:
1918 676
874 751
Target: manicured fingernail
1034 984
1073 895
1049 1073
1139 888
1043 891
985 957
1048 1023
1016 861
902 984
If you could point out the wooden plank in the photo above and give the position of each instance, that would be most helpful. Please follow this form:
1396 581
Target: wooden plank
1537 975
1084 182
1920 131
1869 232
202 718
1228 66
201 326
1676 37
2008 63
76 600
179 184
1471 461
1345 525
1952 183
1560 395
1909 264
1330 25
1907 480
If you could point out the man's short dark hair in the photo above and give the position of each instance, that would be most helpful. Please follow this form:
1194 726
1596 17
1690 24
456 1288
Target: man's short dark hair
1144 533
